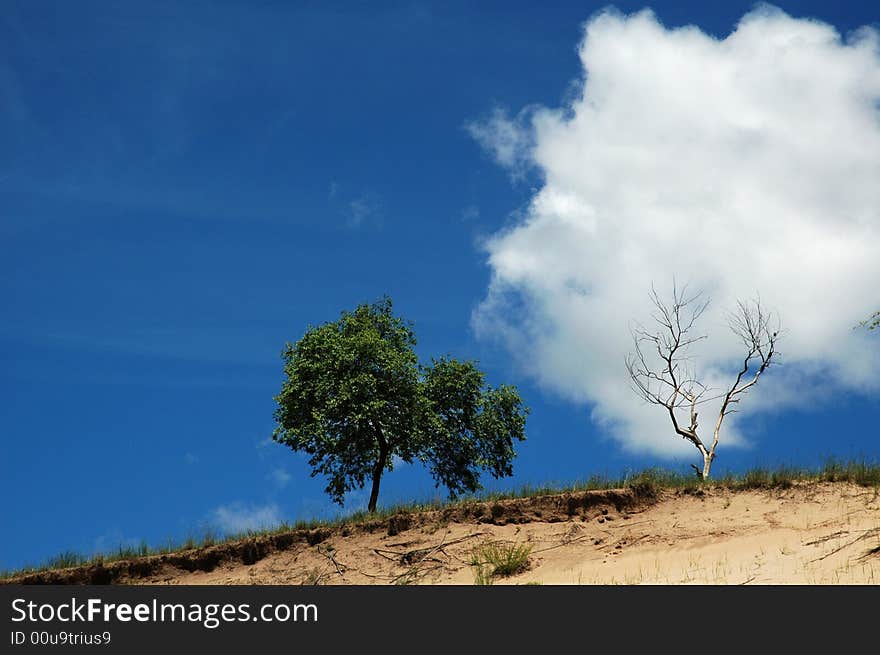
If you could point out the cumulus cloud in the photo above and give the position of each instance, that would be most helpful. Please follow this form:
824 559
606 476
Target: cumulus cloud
744 165
507 139
238 517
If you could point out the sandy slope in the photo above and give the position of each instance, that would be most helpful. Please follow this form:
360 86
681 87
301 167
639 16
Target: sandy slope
810 534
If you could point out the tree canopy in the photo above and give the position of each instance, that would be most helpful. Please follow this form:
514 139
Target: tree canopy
355 398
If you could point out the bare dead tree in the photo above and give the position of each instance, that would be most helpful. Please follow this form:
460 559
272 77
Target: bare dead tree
670 379
871 323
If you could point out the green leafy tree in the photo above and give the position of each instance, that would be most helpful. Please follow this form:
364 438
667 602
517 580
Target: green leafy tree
355 398
470 427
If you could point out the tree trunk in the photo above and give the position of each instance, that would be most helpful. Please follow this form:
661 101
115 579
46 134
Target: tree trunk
703 474
707 464
377 474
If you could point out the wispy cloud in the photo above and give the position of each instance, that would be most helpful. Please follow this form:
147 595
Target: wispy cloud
206 343
743 165
240 517
470 213
279 477
507 139
365 208
359 210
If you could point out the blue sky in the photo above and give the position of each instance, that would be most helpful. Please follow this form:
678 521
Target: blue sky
186 186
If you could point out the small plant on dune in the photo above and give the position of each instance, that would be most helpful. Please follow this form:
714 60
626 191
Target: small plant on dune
493 560
482 574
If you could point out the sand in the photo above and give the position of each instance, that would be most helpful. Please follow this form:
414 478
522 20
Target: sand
808 534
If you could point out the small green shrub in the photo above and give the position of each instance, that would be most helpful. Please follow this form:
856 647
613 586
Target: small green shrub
498 560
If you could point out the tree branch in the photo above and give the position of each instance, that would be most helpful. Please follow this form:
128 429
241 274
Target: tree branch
672 383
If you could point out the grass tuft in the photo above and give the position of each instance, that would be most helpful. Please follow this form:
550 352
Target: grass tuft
66 560
495 559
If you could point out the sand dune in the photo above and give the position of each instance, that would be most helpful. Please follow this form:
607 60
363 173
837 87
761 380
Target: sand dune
816 534
811 533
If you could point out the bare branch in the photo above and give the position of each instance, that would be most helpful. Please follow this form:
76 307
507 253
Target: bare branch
672 381
759 332
871 323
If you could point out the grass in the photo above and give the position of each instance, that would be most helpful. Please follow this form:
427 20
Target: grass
66 559
647 483
495 559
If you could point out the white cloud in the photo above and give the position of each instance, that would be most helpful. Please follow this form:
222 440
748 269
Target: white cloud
239 517
744 165
279 477
506 139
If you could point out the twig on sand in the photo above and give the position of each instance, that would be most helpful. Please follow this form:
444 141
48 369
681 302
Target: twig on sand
827 537
340 568
865 535
421 554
